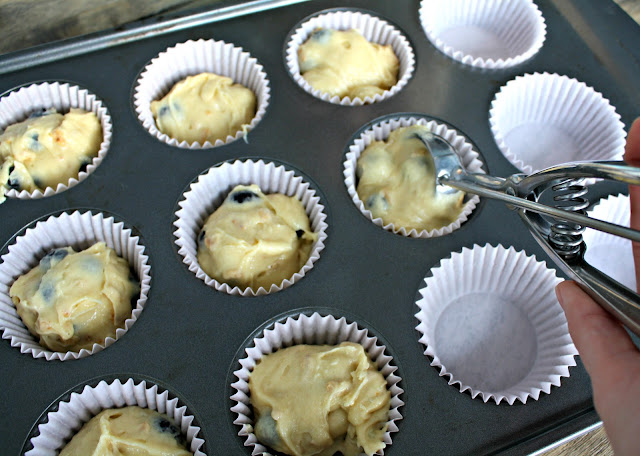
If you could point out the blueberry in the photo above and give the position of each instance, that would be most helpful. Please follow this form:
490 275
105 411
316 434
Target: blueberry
48 291
83 166
14 183
321 35
132 275
243 195
299 233
266 430
54 255
11 168
40 113
164 425
378 201
163 111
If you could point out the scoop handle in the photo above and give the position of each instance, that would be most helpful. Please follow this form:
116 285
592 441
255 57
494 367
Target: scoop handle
505 190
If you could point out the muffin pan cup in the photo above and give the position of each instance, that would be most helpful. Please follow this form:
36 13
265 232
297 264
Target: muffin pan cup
189 59
209 192
16 106
379 130
541 120
484 34
190 335
490 320
80 230
374 29
76 408
311 328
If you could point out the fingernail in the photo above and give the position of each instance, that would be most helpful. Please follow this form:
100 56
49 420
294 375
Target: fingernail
559 294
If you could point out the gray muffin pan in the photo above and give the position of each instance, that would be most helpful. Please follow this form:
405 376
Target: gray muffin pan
189 336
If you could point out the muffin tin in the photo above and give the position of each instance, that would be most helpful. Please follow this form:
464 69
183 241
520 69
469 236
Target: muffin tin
190 337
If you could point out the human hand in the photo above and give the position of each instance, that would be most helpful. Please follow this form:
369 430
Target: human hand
608 353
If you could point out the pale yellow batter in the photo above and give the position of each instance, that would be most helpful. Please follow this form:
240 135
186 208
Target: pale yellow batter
397 182
73 300
344 63
320 399
255 240
204 108
128 431
48 149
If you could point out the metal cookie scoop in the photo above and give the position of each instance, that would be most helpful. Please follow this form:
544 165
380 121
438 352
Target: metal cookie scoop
560 237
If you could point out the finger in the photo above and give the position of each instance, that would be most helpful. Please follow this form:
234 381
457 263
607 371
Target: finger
632 157
603 344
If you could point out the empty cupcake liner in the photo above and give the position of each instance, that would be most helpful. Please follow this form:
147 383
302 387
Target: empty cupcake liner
191 58
312 329
208 193
490 320
602 247
80 231
17 105
485 33
379 131
374 29
71 414
541 120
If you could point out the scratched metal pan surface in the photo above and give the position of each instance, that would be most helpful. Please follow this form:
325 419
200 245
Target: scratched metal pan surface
189 335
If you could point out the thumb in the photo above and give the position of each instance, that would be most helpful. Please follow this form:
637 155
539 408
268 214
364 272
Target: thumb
603 343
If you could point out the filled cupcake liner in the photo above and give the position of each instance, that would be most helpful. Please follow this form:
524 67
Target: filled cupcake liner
192 58
603 247
17 105
374 29
484 33
62 424
313 329
541 120
208 193
80 231
490 320
380 131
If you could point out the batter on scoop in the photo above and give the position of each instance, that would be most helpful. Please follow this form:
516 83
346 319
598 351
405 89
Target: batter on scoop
127 431
204 107
72 300
255 240
397 182
48 149
320 400
344 63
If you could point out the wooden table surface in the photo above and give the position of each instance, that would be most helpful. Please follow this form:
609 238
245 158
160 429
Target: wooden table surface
58 19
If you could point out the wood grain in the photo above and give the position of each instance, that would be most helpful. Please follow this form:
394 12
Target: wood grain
57 19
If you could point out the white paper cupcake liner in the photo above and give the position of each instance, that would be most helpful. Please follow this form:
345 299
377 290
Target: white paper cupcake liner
311 329
484 33
490 320
374 29
380 131
611 254
541 120
62 424
17 105
80 231
191 58
208 193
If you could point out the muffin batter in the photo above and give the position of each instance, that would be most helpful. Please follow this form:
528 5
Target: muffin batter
344 63
320 400
255 240
397 182
74 300
127 431
205 107
48 149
